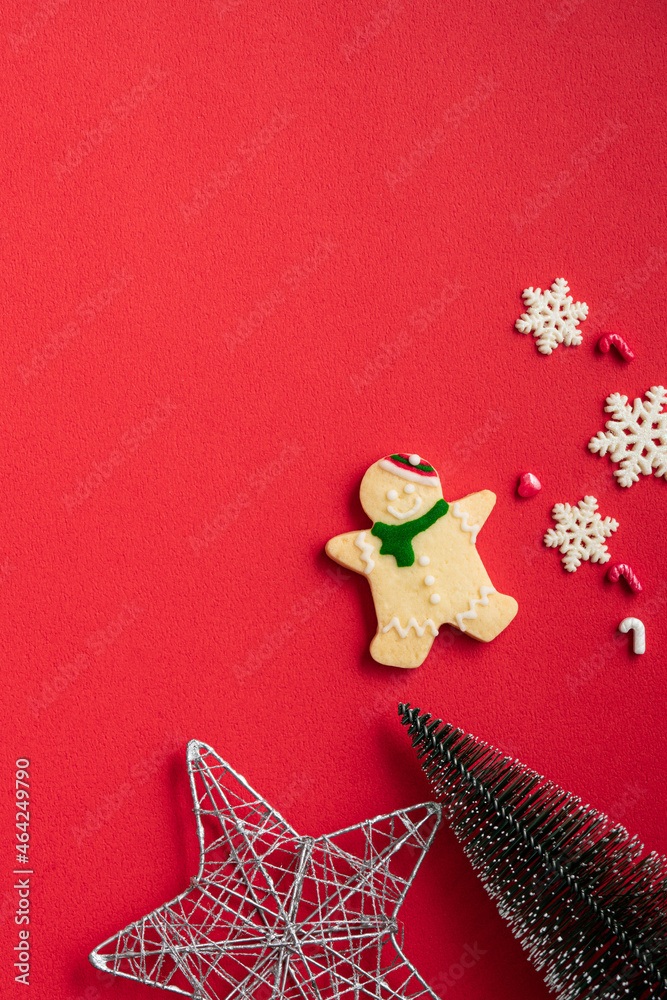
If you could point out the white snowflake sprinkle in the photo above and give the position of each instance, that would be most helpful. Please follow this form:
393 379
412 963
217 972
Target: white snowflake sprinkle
580 533
637 437
552 316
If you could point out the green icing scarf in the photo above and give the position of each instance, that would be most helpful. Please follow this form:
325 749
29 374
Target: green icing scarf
397 538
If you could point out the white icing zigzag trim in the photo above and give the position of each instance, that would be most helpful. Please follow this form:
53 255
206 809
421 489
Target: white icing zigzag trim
463 517
483 600
419 629
366 551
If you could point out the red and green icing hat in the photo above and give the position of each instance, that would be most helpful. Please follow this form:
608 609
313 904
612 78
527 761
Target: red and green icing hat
410 467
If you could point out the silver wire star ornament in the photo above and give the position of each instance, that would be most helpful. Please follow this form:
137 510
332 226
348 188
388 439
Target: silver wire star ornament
272 914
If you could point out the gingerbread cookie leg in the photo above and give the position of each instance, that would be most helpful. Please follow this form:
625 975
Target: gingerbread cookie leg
399 646
487 614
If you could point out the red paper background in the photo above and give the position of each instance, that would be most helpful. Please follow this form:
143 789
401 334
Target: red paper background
247 249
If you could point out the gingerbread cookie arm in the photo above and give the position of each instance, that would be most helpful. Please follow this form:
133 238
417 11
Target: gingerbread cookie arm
473 510
354 550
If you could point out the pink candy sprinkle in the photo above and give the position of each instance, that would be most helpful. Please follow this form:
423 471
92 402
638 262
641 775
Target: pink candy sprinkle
621 345
622 569
529 485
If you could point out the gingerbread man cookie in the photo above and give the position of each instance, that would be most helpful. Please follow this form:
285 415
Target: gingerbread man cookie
421 561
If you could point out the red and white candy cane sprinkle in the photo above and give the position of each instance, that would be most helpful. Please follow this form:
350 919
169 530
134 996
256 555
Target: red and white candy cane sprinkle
622 569
621 345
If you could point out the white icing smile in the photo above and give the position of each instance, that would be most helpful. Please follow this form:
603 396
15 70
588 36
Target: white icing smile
402 514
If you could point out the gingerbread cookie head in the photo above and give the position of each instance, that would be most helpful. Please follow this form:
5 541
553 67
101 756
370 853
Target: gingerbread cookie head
399 488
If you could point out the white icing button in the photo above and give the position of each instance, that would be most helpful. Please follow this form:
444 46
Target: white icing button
435 598
409 488
392 495
424 560
429 580
414 459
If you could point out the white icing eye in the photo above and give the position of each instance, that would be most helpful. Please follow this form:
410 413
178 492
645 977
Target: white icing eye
392 495
410 488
